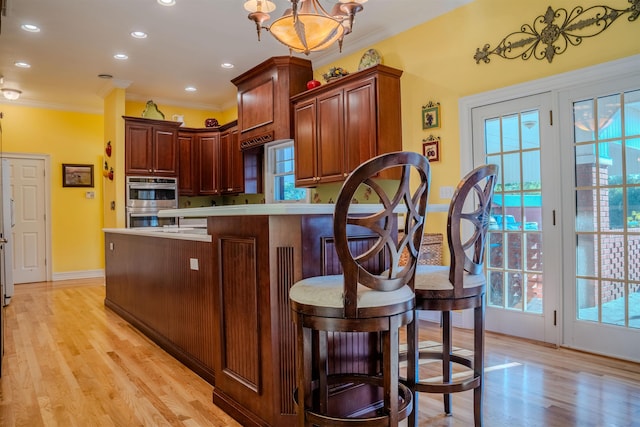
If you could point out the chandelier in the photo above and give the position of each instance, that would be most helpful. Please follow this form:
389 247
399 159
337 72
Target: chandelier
306 26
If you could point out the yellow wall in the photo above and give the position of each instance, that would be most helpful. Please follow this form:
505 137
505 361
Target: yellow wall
438 64
192 118
67 137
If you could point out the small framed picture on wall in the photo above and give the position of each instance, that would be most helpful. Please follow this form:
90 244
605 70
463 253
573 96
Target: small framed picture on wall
431 116
431 150
74 175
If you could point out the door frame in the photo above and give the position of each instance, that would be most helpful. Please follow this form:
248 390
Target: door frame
553 84
47 202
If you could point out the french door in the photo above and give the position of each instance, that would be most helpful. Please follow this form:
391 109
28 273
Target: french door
522 267
602 217
573 275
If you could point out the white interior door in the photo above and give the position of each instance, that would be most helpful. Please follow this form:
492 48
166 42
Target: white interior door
602 216
29 232
523 276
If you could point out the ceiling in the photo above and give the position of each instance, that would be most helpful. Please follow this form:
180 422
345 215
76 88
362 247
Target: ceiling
185 47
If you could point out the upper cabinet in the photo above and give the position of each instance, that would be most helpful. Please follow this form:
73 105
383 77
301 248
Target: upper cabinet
340 125
210 161
232 164
264 110
151 147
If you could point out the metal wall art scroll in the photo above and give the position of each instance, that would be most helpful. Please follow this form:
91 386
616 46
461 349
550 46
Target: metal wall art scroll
431 115
552 33
431 148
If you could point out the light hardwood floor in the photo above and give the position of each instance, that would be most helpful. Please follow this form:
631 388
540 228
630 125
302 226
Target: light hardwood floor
69 361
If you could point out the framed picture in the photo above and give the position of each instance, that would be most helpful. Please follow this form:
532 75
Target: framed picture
431 150
77 175
431 116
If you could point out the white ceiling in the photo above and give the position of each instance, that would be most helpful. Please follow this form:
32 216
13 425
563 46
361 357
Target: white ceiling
186 45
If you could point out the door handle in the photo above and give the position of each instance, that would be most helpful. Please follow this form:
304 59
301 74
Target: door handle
3 240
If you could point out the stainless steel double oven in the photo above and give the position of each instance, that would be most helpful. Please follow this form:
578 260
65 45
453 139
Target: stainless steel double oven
146 195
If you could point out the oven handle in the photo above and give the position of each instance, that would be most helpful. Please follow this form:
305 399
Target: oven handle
153 187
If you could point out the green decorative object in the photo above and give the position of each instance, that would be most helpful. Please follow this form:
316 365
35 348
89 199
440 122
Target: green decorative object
151 111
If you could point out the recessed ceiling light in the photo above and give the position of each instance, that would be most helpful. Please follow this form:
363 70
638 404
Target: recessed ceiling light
121 56
227 65
11 94
105 76
139 34
167 2
31 28
190 89
22 64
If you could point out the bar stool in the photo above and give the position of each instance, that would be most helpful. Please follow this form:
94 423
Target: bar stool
457 287
363 299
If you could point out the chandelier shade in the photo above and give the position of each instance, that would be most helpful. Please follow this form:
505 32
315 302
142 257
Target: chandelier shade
306 26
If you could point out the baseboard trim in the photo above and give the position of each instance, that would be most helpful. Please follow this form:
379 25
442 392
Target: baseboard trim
83 274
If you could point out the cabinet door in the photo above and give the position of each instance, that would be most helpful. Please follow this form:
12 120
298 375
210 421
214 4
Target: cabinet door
209 161
164 151
330 145
305 142
187 165
138 150
360 123
231 164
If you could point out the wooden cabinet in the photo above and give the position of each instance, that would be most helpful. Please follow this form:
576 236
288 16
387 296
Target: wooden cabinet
150 284
208 163
151 147
231 162
264 110
188 173
342 124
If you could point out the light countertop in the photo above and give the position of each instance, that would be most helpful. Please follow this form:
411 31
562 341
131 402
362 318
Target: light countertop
182 233
278 209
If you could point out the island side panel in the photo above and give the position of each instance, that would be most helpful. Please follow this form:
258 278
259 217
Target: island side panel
244 380
150 283
258 258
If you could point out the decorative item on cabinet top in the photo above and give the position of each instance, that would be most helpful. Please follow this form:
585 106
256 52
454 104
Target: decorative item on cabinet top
334 73
370 58
431 115
151 111
211 123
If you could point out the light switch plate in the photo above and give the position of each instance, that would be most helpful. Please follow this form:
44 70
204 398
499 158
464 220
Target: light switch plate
446 192
193 263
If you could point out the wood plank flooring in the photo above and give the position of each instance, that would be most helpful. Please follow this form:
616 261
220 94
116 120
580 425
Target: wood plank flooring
69 361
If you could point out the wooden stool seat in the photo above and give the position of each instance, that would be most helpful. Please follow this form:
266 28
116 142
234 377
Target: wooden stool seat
373 297
457 287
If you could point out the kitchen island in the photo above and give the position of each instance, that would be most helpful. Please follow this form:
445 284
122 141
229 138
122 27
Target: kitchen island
219 302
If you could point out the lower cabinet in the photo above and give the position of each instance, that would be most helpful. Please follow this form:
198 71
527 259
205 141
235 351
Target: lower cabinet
230 320
150 284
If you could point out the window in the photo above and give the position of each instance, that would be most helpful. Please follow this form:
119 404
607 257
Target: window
280 182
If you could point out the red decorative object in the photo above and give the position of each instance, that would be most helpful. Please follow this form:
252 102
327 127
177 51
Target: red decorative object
211 123
313 84
111 174
107 149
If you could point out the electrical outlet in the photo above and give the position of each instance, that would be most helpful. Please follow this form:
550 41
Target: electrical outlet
90 194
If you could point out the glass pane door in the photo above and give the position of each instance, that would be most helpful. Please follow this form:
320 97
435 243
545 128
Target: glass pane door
605 283
513 135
